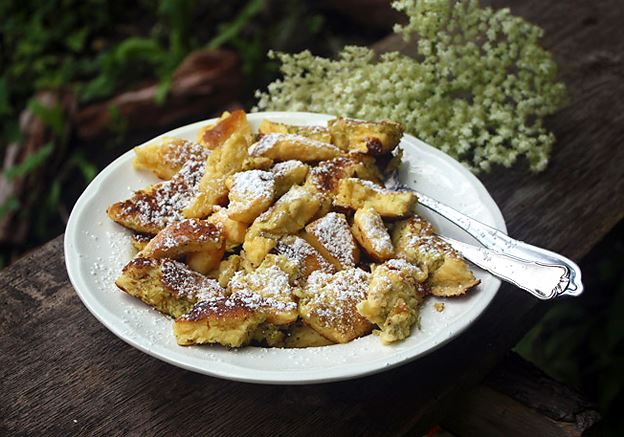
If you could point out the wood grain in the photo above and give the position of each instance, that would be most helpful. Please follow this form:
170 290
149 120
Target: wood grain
517 399
64 373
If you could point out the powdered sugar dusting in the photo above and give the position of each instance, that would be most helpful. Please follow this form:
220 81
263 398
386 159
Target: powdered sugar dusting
284 167
373 228
333 298
252 184
373 186
219 307
183 234
269 141
298 250
333 232
177 151
186 283
105 269
431 245
345 285
405 266
164 202
264 287
295 193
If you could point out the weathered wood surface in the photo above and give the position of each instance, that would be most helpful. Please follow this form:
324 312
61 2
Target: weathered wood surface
517 399
63 373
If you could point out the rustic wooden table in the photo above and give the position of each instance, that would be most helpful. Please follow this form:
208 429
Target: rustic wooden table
62 372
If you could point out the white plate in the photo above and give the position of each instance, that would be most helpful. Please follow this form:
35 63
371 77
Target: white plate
96 249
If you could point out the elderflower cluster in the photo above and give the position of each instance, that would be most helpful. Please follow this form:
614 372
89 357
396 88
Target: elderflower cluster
478 88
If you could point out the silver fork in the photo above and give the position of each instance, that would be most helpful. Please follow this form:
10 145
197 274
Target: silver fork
531 262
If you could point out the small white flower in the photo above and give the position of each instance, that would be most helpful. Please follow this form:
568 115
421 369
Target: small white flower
459 95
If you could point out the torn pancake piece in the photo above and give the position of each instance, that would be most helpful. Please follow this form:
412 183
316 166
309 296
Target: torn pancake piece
183 237
166 156
167 285
284 147
332 237
288 215
328 304
229 321
369 230
214 135
224 161
354 193
318 133
251 193
394 297
287 174
305 257
300 335
367 137
449 275
151 209
268 289
326 176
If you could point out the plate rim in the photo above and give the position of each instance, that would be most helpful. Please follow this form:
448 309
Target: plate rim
290 377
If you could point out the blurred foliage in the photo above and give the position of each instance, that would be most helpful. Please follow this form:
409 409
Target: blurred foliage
96 48
581 341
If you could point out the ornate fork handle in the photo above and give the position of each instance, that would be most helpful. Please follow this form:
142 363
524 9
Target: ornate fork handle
496 240
541 280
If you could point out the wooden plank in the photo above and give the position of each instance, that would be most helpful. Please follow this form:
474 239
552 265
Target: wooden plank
518 399
63 372
59 365
488 413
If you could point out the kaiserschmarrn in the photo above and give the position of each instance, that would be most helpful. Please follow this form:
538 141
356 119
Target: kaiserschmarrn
284 237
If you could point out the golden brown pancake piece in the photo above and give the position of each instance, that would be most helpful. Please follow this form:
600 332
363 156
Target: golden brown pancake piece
150 210
167 285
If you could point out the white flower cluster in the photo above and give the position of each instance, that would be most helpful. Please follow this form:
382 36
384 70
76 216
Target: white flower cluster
478 89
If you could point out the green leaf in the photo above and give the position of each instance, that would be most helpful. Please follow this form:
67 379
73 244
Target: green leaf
87 168
117 122
54 195
5 102
76 40
163 90
138 48
177 14
52 117
102 86
11 204
11 131
229 31
315 23
31 162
